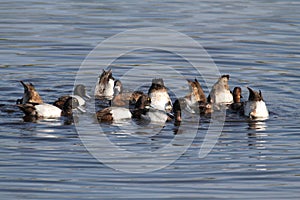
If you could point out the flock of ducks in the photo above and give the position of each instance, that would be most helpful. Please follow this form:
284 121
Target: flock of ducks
154 106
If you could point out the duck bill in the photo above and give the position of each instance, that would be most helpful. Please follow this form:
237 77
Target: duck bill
189 109
171 115
81 109
87 96
178 116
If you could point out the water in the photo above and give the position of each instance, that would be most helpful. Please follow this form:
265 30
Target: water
256 42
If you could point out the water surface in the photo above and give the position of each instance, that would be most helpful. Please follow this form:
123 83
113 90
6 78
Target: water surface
256 42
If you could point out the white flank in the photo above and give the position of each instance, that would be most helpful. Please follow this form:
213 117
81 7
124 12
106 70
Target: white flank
120 113
156 116
257 109
47 111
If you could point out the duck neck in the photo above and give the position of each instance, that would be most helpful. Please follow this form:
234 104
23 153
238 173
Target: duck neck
237 99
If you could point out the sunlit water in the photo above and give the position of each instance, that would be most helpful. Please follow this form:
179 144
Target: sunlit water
257 43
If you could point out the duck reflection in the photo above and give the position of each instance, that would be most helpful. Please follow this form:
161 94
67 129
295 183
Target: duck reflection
257 125
258 144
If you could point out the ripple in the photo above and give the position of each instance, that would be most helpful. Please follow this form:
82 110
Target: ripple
255 42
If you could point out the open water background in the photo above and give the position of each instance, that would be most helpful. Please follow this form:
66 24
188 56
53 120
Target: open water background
256 42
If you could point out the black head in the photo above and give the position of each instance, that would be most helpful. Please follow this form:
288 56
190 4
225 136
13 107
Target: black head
143 102
135 96
28 109
80 90
70 104
237 92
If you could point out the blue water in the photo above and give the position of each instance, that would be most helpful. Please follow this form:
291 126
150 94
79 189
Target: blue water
256 42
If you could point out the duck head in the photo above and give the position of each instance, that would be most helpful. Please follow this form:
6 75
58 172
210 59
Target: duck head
80 90
237 94
70 104
118 88
134 97
28 109
143 102
142 106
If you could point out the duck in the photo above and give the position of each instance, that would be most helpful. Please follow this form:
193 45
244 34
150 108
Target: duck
255 107
199 100
178 103
107 86
113 113
30 95
237 105
134 97
194 102
125 98
196 94
118 100
79 93
220 92
118 87
141 106
159 96
49 111
33 106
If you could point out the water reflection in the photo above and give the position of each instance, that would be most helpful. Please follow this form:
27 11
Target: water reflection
257 143
257 125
